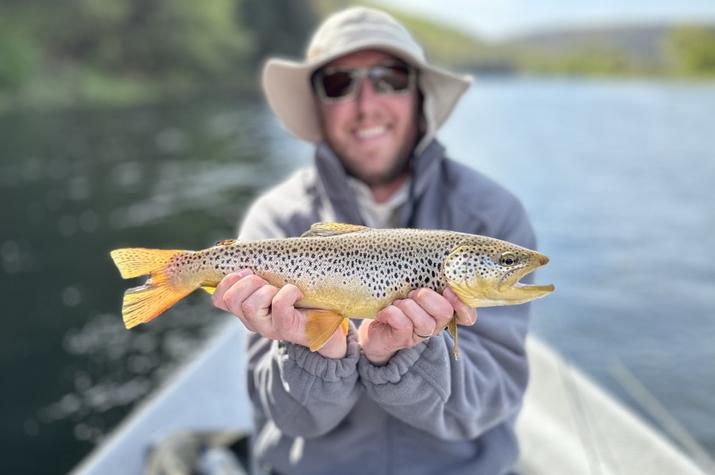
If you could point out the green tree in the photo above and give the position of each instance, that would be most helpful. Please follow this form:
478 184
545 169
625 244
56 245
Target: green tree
19 59
185 36
155 38
691 50
279 27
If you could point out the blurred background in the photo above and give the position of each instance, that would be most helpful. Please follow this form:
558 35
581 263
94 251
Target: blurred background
140 122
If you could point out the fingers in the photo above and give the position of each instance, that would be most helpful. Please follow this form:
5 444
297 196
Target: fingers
423 324
407 322
398 322
437 306
262 307
235 296
375 338
283 308
257 306
224 285
464 314
248 297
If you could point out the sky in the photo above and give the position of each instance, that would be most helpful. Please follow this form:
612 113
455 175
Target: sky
496 19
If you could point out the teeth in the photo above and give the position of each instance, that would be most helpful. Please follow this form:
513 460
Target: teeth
370 132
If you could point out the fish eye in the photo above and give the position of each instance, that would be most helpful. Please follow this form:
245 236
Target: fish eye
508 259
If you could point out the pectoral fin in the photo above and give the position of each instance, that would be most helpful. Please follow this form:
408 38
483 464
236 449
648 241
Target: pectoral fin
321 325
452 327
465 293
332 229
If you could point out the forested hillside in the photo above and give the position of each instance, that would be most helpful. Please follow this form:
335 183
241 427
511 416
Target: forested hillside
69 52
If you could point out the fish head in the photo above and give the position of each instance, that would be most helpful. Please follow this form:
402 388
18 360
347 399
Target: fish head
487 272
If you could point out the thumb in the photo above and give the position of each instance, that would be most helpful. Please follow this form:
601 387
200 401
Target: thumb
375 330
365 328
372 329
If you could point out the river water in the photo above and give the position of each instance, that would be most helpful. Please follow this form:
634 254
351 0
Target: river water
617 177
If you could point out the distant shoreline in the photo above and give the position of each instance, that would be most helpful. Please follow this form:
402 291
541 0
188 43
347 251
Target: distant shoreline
145 95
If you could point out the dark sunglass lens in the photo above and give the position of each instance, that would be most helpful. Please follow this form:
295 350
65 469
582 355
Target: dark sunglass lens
337 84
391 78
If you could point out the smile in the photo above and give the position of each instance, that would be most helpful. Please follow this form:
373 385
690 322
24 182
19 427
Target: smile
371 132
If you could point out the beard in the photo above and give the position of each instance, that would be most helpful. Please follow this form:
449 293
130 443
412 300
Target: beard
396 168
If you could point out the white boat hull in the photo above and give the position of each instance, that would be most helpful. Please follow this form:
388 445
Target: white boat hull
568 424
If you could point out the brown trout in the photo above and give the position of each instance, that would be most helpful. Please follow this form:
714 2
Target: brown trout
343 270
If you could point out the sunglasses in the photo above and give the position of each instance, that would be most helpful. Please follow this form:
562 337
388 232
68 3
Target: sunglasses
334 84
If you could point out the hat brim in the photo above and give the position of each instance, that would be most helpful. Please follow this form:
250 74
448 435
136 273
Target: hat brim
288 91
286 85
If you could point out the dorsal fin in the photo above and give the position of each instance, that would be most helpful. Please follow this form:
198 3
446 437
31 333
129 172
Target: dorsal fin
226 242
333 229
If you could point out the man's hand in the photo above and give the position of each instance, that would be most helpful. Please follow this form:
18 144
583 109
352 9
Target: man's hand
406 323
269 311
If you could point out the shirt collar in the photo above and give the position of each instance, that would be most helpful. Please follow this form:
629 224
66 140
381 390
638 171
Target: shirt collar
379 215
335 180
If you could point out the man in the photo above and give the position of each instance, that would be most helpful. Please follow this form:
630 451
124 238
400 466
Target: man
387 397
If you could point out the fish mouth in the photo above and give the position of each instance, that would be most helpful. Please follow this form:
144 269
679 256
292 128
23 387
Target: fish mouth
546 288
519 291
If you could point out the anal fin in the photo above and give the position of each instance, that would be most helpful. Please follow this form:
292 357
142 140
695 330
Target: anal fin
320 326
209 289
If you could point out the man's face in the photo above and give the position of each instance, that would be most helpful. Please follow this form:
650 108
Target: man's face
373 134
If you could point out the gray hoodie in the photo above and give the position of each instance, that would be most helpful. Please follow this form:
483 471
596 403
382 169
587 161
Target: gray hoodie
423 412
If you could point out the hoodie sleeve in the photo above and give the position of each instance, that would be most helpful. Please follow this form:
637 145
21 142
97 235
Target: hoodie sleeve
457 400
303 393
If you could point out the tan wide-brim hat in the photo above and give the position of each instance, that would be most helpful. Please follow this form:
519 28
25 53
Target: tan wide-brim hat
287 83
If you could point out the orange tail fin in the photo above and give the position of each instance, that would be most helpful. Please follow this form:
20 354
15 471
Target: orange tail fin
135 262
158 294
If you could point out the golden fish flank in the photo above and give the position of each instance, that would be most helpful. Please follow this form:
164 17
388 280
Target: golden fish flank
342 270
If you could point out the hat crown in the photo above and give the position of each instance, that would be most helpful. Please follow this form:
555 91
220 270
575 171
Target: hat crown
356 28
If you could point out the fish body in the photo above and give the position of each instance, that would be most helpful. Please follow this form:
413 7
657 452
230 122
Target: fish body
342 270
